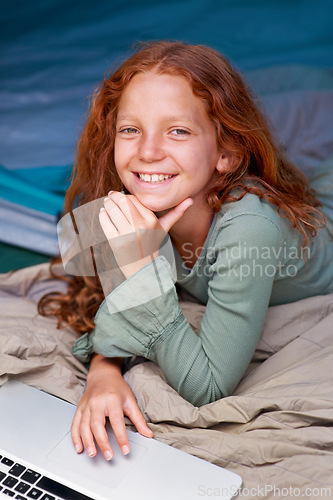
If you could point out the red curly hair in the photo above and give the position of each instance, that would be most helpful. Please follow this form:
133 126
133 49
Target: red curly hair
242 132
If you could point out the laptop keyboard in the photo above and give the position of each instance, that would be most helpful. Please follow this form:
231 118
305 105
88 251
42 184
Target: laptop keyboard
21 483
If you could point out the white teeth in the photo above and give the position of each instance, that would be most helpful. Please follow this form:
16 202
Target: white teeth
145 177
154 177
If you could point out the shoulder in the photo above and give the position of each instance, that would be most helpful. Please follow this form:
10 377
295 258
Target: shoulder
250 219
251 206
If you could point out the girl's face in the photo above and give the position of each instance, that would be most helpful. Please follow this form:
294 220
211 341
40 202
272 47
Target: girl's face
166 146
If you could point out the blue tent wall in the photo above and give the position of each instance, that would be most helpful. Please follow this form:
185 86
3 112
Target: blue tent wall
54 52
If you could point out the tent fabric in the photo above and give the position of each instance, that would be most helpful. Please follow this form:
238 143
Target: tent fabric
31 202
36 231
53 54
13 257
40 188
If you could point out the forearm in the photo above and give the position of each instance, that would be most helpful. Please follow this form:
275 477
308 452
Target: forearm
170 342
159 331
201 368
187 366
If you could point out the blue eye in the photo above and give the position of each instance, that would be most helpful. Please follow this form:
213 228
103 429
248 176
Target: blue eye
179 131
129 130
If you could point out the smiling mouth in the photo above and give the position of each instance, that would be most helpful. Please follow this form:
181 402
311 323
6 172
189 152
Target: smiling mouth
154 178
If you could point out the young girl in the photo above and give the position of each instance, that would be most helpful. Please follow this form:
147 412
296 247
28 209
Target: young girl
176 136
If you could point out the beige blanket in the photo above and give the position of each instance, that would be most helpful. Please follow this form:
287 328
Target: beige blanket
276 431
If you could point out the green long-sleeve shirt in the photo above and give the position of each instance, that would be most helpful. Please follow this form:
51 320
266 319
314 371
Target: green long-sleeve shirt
252 258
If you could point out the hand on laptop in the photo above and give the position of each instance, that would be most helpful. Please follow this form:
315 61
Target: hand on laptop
106 395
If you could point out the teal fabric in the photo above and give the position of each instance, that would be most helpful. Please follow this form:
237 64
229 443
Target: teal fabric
40 188
53 54
252 258
13 258
252 33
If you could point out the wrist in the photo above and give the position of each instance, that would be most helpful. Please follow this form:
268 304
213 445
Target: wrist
129 269
103 366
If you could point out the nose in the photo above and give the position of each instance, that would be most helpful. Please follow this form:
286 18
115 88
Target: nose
151 148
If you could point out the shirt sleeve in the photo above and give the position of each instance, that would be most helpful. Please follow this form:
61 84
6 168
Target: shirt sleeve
143 317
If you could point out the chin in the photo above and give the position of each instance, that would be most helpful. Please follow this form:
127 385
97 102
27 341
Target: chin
155 205
157 209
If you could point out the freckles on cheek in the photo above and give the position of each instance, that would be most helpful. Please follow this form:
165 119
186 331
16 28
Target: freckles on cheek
119 160
116 152
121 154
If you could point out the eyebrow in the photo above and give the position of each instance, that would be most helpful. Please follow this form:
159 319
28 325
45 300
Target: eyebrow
171 118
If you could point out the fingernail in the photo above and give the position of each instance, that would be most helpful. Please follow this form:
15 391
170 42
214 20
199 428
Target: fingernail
108 455
91 452
125 449
78 448
106 199
110 192
102 209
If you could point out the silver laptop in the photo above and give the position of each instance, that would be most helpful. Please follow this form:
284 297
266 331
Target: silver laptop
37 459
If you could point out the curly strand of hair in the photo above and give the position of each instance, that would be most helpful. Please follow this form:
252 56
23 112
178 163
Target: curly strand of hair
303 217
76 308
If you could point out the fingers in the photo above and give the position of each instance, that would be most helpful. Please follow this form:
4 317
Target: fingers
127 213
131 243
150 241
109 229
119 215
75 432
174 215
134 414
119 206
86 428
115 218
141 209
97 430
118 426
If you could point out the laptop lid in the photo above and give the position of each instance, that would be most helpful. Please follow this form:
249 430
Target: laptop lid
35 432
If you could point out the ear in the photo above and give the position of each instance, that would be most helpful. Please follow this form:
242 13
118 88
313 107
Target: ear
224 163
